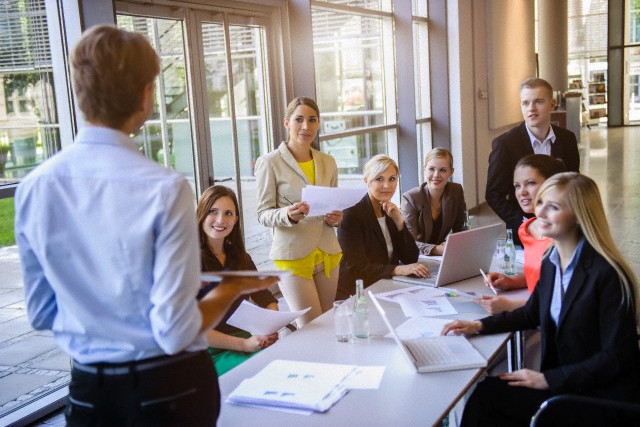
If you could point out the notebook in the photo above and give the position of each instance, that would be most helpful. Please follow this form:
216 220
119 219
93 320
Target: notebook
435 354
465 253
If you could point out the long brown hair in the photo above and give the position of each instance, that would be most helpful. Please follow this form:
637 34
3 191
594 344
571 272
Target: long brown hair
234 242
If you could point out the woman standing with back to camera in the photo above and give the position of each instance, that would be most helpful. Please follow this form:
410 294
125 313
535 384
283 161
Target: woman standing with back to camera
305 245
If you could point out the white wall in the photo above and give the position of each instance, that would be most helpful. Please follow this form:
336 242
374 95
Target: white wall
471 133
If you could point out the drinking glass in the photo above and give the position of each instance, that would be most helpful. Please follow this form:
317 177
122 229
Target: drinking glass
343 320
499 255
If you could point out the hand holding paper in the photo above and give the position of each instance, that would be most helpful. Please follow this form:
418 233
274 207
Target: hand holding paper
261 321
323 200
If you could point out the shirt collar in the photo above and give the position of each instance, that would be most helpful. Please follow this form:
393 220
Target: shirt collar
554 257
104 135
551 136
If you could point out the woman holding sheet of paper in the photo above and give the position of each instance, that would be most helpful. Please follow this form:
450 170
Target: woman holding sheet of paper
375 240
222 248
437 207
585 304
305 245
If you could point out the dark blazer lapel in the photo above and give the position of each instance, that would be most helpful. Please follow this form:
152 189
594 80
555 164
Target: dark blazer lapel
525 141
291 161
372 221
424 213
446 212
547 276
578 280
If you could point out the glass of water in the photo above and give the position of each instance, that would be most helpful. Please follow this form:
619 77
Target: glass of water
499 255
343 320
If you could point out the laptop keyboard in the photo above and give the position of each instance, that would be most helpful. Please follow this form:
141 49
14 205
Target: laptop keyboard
430 352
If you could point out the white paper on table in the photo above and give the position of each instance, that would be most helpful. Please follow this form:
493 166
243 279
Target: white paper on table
365 377
294 384
420 327
520 256
322 200
438 306
413 291
262 321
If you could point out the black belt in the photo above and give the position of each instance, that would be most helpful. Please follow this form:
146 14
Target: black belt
125 368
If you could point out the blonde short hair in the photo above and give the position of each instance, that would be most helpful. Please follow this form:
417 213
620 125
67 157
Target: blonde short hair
111 68
377 165
438 153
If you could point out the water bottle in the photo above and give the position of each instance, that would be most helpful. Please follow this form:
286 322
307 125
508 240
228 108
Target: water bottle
510 262
467 221
360 312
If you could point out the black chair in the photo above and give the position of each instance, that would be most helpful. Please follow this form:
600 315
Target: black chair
572 410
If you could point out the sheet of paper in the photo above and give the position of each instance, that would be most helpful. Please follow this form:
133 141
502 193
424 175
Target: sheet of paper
520 256
419 327
365 377
261 321
413 291
322 200
412 306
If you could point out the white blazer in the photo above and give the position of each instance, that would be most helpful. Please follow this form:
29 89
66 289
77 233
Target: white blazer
279 177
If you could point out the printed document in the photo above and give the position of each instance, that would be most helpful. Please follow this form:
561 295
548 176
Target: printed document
294 384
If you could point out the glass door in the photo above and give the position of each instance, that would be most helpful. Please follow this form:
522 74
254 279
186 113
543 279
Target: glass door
237 86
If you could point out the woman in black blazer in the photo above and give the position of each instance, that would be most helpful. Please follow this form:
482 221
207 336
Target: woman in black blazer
437 207
585 305
374 240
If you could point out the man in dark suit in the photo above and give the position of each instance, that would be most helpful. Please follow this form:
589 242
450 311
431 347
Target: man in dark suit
535 135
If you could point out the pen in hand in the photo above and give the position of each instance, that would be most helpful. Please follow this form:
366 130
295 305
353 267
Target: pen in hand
488 282
290 202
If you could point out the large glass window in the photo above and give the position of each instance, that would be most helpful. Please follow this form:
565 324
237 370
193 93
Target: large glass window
631 81
422 78
29 131
168 130
33 371
354 70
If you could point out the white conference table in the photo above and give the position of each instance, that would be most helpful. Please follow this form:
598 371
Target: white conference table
405 397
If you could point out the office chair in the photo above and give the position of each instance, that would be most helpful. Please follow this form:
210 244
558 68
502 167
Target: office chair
573 410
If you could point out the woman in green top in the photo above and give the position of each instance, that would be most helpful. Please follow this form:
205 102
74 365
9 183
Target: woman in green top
222 248
305 245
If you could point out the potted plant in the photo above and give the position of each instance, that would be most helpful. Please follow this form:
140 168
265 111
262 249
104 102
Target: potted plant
4 151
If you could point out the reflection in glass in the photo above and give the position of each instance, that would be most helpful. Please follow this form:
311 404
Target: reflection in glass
352 152
632 85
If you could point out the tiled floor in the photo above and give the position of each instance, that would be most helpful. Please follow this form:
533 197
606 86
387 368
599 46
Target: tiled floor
30 363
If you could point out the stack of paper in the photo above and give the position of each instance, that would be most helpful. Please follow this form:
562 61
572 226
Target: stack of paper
295 385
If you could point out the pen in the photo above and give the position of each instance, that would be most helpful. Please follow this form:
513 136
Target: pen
488 282
290 202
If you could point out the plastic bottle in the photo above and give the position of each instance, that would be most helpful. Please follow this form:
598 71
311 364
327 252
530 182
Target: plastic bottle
360 312
510 263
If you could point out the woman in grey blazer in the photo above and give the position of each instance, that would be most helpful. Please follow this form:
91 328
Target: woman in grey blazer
437 207
305 245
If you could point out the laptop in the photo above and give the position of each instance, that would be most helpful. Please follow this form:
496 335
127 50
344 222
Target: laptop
435 354
465 253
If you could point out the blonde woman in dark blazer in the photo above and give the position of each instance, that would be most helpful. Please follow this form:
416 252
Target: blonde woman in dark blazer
437 207
585 304
373 235
305 245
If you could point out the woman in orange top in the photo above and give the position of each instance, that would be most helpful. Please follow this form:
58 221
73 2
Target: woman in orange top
530 172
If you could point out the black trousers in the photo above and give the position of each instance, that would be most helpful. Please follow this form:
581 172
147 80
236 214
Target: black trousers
495 403
179 390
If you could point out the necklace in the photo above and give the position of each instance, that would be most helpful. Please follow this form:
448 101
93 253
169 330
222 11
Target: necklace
435 211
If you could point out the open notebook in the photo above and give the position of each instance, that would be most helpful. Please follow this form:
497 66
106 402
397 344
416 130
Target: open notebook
465 253
435 354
